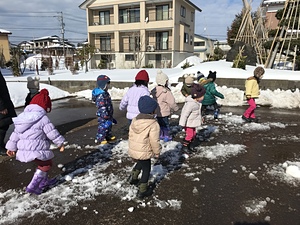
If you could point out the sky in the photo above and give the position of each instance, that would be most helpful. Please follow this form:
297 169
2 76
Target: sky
33 21
93 180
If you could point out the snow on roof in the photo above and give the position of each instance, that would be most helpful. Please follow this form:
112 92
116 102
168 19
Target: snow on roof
2 31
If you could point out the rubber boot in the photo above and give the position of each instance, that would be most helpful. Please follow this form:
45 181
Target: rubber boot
46 182
144 191
133 178
33 186
186 146
167 136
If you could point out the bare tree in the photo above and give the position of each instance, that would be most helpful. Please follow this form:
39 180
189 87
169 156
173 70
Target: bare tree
138 45
86 54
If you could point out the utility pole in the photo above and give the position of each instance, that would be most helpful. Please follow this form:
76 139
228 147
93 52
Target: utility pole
63 34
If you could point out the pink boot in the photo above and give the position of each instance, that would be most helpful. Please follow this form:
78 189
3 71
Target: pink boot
33 186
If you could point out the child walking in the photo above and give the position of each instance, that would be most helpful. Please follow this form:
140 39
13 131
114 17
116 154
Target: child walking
190 117
143 144
31 139
251 93
187 85
166 103
105 110
130 100
33 85
211 94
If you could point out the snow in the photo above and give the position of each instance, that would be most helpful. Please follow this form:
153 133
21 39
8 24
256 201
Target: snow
93 181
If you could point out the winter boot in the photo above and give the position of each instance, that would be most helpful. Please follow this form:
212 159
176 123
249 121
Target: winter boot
186 146
216 114
192 146
144 191
33 186
167 136
133 178
46 182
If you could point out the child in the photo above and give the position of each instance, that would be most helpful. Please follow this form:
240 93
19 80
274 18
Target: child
33 85
31 139
190 117
187 85
251 93
144 143
105 110
166 103
210 94
130 100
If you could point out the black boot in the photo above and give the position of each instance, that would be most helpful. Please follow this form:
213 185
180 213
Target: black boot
186 147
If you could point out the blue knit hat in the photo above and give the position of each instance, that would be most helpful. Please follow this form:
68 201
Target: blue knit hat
102 81
147 104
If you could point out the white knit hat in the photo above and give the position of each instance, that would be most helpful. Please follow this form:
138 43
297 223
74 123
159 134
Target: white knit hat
161 78
33 82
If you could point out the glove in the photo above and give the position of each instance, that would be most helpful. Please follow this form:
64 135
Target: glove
114 121
107 124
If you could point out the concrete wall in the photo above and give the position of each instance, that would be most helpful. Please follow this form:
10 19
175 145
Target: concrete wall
75 86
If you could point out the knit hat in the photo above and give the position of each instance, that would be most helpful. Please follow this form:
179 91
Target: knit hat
142 75
197 91
189 80
33 83
147 104
199 75
161 78
212 75
42 99
259 72
102 81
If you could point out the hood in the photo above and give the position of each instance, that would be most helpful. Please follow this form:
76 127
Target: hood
31 115
156 92
97 91
143 121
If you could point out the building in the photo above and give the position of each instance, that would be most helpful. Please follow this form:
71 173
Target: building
4 47
203 47
222 44
52 45
269 10
139 33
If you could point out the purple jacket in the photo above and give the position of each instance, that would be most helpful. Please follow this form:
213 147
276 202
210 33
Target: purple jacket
131 98
33 134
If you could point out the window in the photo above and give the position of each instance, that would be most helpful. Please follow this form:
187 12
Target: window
129 15
192 16
134 43
104 17
162 40
129 57
186 38
162 12
199 43
191 40
105 43
182 11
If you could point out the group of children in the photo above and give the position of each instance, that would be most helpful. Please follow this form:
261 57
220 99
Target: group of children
147 112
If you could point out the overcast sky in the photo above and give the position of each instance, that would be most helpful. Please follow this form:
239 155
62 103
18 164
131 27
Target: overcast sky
38 18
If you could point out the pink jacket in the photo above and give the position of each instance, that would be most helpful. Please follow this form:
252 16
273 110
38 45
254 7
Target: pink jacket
165 99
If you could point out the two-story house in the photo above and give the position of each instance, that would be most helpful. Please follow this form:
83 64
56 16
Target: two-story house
204 46
138 33
4 47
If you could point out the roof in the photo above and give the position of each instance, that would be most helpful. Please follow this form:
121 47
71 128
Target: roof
193 5
4 31
202 37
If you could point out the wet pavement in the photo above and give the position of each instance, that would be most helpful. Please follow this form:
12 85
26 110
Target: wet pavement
224 189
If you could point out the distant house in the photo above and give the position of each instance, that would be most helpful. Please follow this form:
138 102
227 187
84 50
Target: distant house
222 45
4 47
269 10
139 33
203 46
26 46
52 45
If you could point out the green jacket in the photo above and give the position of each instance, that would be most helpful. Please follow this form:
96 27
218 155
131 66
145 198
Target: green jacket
211 93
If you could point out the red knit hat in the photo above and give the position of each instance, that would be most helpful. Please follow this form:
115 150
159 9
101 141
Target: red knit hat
42 99
142 75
